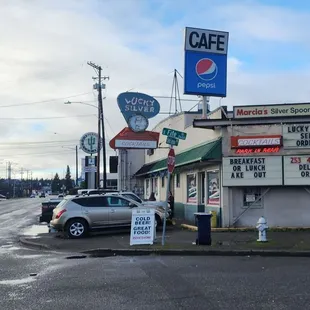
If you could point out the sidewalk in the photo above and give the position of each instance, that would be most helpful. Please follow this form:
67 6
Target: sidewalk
179 242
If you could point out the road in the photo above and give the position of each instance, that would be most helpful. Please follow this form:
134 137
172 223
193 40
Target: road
152 282
32 279
15 215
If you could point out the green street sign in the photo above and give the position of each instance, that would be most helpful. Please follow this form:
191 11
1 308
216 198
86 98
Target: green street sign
172 141
171 133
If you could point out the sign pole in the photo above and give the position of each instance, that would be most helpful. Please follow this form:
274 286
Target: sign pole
170 164
166 208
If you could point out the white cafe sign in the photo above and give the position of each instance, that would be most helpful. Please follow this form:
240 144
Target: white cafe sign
296 136
252 171
296 170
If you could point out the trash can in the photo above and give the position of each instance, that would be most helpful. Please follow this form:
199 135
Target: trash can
203 221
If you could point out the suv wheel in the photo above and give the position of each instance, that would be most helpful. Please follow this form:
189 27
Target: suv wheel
76 228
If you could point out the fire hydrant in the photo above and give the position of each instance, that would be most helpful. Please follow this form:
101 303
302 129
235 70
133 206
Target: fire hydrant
262 229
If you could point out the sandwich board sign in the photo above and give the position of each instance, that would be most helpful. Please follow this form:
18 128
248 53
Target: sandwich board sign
142 226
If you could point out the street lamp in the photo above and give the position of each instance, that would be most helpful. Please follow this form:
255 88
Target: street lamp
76 162
80 102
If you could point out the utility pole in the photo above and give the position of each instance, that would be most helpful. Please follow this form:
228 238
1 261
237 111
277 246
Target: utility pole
100 124
9 170
27 182
21 181
76 166
14 182
9 176
31 182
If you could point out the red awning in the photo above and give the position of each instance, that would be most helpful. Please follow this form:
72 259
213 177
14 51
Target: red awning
128 139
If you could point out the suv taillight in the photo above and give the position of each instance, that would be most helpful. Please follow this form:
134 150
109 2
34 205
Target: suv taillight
60 213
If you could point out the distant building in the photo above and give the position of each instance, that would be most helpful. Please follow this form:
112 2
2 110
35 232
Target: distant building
129 162
111 180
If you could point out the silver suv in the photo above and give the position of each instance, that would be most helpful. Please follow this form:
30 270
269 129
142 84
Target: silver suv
76 216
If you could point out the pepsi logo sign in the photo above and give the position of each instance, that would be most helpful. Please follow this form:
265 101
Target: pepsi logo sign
206 69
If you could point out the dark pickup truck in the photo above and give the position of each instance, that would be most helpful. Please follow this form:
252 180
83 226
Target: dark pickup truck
47 209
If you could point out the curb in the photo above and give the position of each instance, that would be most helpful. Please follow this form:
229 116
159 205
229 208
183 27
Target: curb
160 252
33 244
189 227
247 229
106 252
228 229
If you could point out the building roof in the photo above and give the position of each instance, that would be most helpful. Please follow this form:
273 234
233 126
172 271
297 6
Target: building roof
208 151
229 120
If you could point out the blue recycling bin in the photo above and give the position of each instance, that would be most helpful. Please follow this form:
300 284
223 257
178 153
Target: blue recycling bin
203 221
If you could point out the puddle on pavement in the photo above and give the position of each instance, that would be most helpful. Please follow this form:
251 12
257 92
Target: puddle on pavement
7 247
76 257
17 281
35 230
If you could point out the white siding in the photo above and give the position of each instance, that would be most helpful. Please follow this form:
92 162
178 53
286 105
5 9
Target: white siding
181 122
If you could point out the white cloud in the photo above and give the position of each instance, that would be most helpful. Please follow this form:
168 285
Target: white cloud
265 22
46 44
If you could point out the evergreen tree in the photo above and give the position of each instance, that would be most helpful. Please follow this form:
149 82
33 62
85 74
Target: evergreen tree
56 184
68 181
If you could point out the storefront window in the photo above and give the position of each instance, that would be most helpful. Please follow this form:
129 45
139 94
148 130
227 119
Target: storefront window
191 188
250 196
155 186
213 188
177 180
147 188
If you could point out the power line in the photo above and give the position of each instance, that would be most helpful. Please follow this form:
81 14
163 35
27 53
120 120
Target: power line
173 97
148 81
38 142
46 153
34 147
43 101
45 118
110 125
25 147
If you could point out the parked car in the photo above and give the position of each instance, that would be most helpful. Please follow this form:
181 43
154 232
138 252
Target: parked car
42 195
82 191
32 196
76 216
61 196
47 208
2 197
136 198
100 191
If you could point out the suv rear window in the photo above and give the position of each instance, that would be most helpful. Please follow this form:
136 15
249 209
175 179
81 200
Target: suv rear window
91 201
61 203
94 192
100 191
133 197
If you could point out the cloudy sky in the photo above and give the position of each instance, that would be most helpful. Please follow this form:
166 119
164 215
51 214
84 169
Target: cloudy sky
45 46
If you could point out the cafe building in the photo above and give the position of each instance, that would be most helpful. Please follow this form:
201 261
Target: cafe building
265 167
195 180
